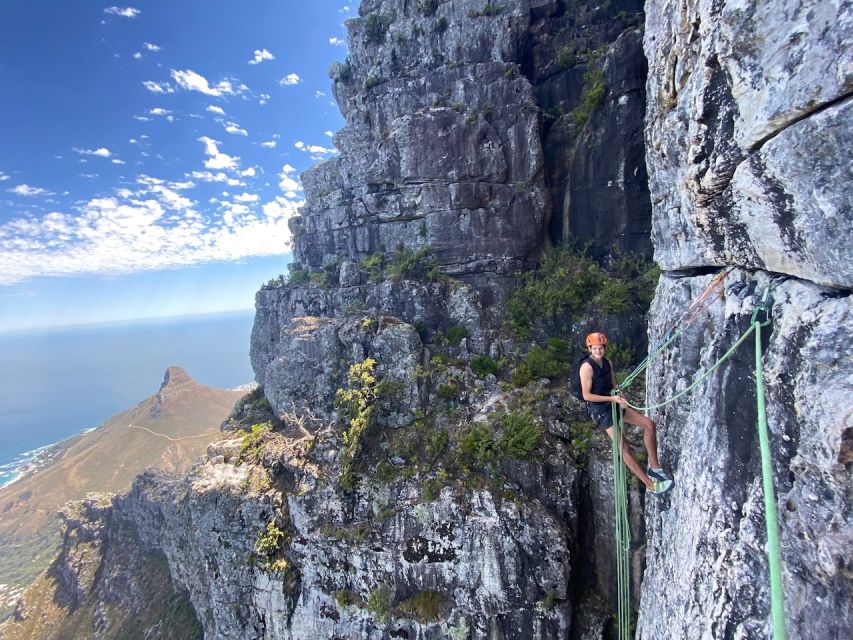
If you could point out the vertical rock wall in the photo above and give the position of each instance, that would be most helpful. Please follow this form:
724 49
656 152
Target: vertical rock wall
748 136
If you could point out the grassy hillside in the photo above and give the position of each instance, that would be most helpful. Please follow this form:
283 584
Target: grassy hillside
168 430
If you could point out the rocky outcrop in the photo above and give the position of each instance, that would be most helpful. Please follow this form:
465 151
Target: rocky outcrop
472 129
748 125
748 117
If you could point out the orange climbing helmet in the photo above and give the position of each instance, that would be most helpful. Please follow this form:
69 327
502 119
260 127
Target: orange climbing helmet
596 338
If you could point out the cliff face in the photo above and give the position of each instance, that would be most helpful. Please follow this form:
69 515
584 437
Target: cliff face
406 491
748 125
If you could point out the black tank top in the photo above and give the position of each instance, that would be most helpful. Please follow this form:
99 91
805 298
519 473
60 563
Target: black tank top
602 379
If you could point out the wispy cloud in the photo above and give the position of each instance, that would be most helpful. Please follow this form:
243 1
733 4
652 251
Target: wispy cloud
247 197
101 152
3 176
264 98
28 191
158 87
269 144
260 56
249 173
337 42
216 159
289 80
192 81
151 47
329 133
137 56
215 109
126 12
117 161
219 176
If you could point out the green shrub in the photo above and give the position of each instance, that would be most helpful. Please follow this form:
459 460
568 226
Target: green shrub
563 287
489 9
567 56
252 442
551 361
371 82
413 265
521 435
521 376
448 391
479 446
341 71
455 335
581 437
298 276
358 403
483 366
380 601
276 283
441 25
425 606
375 27
594 85
347 598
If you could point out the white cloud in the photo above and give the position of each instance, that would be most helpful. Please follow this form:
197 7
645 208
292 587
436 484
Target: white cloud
3 176
137 55
261 55
289 80
247 197
158 87
216 109
233 127
217 160
126 12
315 149
151 47
319 94
287 183
337 42
127 233
264 98
209 176
249 173
117 161
28 191
101 152
142 118
329 133
159 111
269 144
192 81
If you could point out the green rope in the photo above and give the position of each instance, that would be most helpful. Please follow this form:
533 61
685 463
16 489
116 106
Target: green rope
774 557
622 529
701 378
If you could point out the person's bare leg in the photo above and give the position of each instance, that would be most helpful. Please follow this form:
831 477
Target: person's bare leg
650 439
632 464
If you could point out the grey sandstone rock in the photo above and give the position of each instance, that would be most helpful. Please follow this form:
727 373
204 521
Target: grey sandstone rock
747 124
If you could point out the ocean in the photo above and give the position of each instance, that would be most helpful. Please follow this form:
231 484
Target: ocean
57 383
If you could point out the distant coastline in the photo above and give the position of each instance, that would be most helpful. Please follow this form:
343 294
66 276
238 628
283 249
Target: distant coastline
131 322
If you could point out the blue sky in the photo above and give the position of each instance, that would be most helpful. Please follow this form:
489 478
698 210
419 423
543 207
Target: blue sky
150 153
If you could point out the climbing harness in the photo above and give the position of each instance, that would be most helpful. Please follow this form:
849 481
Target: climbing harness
760 318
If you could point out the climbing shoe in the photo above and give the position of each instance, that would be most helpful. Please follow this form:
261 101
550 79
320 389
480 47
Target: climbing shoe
661 486
657 474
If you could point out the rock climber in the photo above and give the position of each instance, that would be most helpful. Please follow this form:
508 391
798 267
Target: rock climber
597 380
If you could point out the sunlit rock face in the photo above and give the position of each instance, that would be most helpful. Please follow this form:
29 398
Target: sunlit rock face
748 126
748 123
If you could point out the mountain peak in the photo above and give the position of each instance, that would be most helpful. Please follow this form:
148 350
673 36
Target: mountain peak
175 376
